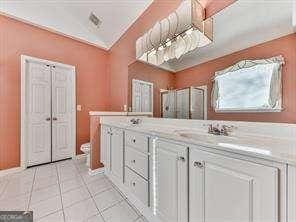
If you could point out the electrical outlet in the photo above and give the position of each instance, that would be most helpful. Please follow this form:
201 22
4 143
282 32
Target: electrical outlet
79 108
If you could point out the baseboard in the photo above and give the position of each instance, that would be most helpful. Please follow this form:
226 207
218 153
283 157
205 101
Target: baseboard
80 156
96 171
11 170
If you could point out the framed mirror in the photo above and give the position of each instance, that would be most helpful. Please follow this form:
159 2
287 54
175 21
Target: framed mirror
248 70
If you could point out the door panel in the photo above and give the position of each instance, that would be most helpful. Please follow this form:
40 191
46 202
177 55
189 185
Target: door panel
142 96
63 109
197 103
136 96
116 168
224 189
105 147
146 98
169 187
38 113
182 104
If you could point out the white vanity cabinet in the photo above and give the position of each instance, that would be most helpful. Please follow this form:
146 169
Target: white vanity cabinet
105 147
169 181
223 189
112 151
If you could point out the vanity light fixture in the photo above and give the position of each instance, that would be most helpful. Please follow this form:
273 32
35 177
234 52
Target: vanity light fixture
184 30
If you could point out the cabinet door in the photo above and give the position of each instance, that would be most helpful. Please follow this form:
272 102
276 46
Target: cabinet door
223 189
116 167
169 186
105 147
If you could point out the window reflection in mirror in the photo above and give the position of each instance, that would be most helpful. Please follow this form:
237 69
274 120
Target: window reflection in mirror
249 86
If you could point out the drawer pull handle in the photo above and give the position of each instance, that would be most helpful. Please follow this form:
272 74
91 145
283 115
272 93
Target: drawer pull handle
181 158
198 164
133 161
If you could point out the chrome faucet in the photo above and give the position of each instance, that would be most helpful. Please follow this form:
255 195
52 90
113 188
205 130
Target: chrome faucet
223 130
135 121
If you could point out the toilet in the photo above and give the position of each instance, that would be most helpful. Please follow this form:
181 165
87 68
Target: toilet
85 148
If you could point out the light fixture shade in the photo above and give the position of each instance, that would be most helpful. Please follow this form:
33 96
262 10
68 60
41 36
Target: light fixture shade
190 14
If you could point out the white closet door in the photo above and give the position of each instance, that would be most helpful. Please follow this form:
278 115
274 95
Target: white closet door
142 96
146 98
63 108
136 96
38 113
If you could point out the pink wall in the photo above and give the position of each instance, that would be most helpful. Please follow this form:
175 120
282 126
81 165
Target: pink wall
160 78
92 79
286 46
123 51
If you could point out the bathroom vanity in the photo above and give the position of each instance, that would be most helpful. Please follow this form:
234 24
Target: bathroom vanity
174 171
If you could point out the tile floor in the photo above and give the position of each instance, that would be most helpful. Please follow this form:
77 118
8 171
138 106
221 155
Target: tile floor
64 191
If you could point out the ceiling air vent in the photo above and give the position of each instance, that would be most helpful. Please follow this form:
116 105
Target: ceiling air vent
95 20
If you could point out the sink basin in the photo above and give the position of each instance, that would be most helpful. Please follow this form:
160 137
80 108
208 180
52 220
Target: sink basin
206 137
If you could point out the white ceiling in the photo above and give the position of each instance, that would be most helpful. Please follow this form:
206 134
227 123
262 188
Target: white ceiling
70 17
241 25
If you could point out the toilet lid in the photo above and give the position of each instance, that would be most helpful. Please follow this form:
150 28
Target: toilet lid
85 146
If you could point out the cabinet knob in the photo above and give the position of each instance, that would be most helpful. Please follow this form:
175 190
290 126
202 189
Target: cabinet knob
47 119
134 140
198 164
181 158
133 161
134 184
54 119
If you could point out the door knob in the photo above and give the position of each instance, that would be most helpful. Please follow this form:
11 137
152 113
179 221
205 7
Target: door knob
54 119
47 119
198 164
181 158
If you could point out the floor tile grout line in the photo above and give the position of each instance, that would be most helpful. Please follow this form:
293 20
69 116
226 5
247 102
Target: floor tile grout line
92 197
127 201
64 218
113 205
5 187
30 197
46 215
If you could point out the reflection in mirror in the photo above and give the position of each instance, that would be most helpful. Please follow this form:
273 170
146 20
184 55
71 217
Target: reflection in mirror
184 103
243 24
246 32
249 85
152 89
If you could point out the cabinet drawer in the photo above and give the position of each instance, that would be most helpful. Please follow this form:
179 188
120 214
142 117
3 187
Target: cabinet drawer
137 161
136 140
137 185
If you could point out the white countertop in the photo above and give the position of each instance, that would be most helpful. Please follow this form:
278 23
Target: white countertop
279 149
107 113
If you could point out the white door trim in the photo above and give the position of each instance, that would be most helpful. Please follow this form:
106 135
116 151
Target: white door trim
23 148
